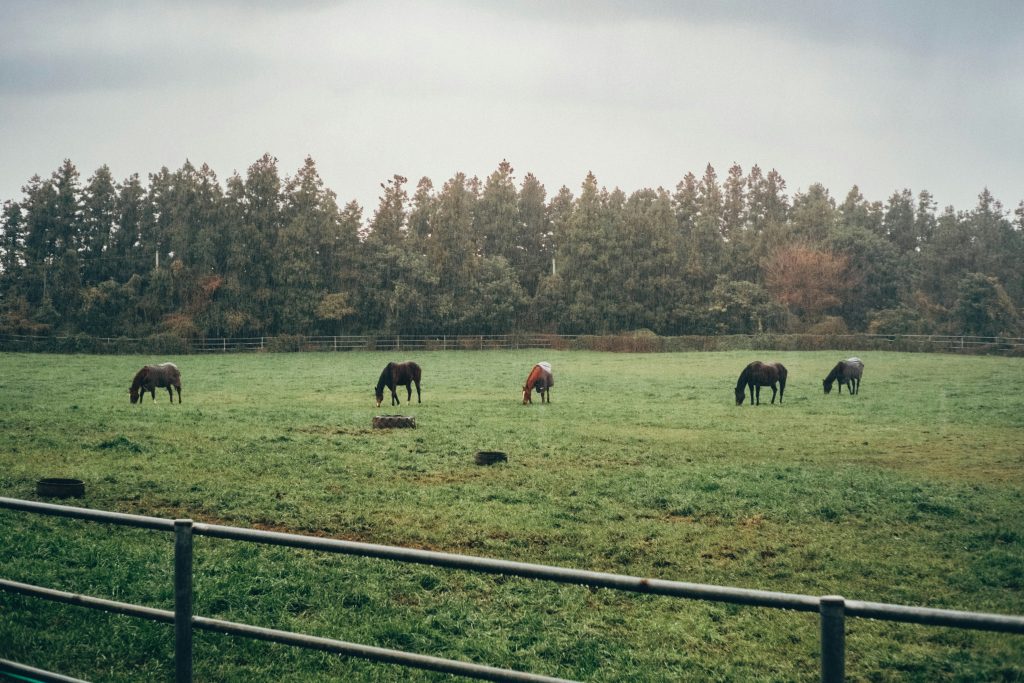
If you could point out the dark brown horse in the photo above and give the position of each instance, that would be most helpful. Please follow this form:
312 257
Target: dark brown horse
847 372
398 375
757 375
153 377
540 380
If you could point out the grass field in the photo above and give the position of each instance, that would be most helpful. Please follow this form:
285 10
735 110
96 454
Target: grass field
909 493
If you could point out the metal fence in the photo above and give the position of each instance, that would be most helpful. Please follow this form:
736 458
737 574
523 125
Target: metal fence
832 610
165 343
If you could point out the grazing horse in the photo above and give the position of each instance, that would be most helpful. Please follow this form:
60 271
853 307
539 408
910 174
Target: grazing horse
757 375
848 372
541 380
152 377
396 375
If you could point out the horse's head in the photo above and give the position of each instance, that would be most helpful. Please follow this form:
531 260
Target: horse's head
741 394
827 385
137 389
527 395
379 395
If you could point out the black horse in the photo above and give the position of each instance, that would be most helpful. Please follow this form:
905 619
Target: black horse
757 375
847 372
396 375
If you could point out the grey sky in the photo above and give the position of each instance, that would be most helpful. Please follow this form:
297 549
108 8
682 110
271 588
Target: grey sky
886 95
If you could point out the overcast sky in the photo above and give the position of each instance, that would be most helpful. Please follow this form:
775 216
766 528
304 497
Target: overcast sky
885 95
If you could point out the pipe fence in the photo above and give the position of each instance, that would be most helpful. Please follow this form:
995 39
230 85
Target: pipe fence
165 343
833 610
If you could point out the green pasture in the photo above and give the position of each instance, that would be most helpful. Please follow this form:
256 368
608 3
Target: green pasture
642 464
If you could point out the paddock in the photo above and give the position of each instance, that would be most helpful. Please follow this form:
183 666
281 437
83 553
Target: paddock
908 499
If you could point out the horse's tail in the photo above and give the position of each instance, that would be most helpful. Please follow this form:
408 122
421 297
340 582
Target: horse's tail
175 372
414 368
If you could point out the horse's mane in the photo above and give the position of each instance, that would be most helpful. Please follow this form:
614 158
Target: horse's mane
746 373
140 376
383 380
836 372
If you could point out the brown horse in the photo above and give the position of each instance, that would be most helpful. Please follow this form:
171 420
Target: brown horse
396 375
153 377
757 375
847 372
541 380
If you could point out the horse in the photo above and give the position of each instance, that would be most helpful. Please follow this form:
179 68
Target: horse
541 380
848 372
395 375
757 375
153 377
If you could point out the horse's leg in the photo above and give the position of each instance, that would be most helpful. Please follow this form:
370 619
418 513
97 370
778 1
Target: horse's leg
170 392
757 388
408 392
152 392
394 397
417 392
773 392
178 389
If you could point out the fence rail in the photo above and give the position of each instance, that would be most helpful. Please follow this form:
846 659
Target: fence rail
399 343
833 610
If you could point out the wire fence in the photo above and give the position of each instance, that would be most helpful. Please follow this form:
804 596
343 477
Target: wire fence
166 343
832 609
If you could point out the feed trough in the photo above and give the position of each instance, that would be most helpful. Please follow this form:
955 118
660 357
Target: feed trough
394 422
60 488
490 457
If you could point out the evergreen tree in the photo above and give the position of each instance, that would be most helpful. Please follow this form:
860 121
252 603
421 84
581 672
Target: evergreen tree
857 213
983 308
99 222
497 215
812 217
305 250
877 278
452 249
386 262
734 204
12 245
650 287
127 249
899 224
421 215
535 246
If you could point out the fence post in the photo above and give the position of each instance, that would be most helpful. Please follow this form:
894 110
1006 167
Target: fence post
833 639
183 600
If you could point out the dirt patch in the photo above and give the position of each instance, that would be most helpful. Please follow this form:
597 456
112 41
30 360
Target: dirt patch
327 430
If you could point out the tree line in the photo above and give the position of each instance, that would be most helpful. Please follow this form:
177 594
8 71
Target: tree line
263 254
